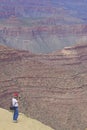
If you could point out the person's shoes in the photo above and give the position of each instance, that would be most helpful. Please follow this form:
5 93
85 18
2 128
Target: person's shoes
15 121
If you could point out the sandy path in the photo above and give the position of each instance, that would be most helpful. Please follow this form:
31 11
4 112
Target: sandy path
24 123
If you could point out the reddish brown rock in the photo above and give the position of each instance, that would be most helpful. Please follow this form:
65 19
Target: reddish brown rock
52 87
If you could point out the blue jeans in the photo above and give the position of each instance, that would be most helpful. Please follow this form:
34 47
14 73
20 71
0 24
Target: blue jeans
16 113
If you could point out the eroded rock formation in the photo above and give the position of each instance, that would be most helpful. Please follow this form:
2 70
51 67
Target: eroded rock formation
52 87
44 27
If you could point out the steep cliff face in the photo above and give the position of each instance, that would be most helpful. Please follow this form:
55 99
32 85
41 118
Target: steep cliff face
40 9
52 87
42 26
40 38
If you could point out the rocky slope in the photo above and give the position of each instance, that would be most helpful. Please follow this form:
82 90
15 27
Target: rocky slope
24 123
52 87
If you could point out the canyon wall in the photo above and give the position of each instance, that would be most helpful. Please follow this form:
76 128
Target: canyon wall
40 38
44 27
52 87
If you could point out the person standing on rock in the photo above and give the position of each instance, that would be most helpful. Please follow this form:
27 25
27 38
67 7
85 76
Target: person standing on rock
15 107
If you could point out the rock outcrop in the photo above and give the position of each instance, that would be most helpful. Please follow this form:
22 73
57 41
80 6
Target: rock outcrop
52 87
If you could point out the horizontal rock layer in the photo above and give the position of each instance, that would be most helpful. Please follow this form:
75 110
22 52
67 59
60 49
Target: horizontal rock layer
42 26
52 87
41 39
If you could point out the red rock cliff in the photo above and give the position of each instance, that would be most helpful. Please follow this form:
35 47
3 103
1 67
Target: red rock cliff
52 86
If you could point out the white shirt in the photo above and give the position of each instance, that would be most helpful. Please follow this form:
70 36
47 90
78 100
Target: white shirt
14 102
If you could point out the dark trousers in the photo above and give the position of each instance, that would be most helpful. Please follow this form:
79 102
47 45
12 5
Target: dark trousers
16 113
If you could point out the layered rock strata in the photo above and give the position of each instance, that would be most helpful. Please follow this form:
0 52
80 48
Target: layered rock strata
52 87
